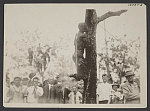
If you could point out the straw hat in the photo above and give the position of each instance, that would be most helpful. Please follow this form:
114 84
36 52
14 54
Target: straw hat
129 73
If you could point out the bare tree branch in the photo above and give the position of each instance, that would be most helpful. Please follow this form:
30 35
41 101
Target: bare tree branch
110 14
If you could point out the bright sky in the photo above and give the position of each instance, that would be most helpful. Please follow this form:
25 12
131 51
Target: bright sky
61 20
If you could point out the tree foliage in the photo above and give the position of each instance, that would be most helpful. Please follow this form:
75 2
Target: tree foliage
121 55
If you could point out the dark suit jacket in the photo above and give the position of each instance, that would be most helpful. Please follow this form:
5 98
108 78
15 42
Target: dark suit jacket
56 94
66 98
46 92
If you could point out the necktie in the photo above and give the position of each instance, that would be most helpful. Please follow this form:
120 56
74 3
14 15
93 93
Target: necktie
75 98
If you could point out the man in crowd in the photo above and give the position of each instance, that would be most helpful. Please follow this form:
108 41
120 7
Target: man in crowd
58 92
45 59
66 91
30 52
51 98
131 90
34 92
46 89
16 93
75 97
116 96
104 91
6 93
24 87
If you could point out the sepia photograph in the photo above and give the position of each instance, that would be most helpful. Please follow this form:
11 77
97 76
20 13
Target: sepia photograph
75 55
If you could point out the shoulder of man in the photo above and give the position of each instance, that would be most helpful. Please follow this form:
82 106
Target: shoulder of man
126 86
136 84
46 86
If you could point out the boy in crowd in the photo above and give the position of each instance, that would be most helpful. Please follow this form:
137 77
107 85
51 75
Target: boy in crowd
34 92
75 97
116 96
16 91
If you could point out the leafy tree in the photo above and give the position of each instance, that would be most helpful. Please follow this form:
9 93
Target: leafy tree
122 56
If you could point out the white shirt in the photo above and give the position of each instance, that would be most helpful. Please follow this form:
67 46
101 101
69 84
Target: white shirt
16 94
75 99
33 94
104 91
117 94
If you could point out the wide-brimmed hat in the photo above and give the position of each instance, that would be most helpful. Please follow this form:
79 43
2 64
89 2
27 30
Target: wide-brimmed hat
31 75
129 73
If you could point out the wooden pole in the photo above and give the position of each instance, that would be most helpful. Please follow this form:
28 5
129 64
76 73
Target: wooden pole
91 56
91 19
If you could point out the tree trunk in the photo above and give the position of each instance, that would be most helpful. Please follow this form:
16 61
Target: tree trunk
91 56
91 19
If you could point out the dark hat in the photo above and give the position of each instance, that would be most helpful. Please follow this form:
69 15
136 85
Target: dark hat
31 75
17 77
104 75
129 73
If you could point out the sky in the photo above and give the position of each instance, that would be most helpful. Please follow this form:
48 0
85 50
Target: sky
61 20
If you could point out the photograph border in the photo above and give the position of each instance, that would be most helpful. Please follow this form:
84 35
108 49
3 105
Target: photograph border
147 3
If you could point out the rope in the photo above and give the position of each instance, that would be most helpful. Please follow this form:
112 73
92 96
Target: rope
104 28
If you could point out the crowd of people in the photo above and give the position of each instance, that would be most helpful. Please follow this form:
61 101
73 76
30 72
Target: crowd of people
56 91
39 57
126 93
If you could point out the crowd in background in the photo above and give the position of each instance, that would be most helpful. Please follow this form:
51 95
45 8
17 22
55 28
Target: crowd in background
39 57
56 91
126 93
23 90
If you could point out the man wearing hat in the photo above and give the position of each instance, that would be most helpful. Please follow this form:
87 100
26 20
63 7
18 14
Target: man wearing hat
56 93
131 90
116 97
16 91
